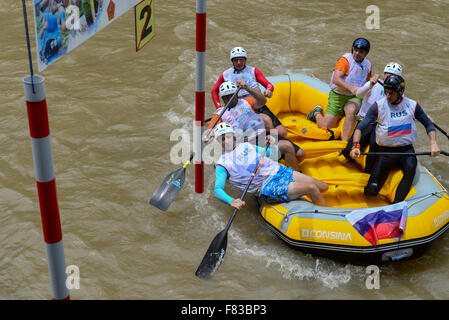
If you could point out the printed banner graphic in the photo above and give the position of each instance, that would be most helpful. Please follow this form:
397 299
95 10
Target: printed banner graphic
144 15
62 25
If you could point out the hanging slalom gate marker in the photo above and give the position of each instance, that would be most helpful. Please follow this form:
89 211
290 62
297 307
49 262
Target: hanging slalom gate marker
46 185
144 21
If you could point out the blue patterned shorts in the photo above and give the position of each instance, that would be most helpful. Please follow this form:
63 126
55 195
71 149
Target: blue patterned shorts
276 190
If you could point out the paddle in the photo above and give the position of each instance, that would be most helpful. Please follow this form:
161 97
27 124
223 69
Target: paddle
226 107
402 153
217 249
173 182
169 188
441 130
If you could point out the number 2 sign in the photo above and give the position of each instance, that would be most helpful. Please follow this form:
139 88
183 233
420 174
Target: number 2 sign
144 17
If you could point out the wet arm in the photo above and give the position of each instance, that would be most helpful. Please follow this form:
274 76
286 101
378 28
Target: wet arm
220 181
341 70
259 98
339 81
430 129
215 89
262 80
371 116
422 117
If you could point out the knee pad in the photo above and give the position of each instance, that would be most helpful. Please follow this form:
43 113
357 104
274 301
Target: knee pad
372 189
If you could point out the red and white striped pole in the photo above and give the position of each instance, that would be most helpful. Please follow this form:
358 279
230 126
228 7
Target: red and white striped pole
46 185
200 94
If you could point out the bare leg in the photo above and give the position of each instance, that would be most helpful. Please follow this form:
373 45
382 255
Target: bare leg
305 185
282 131
327 121
298 176
300 155
286 149
267 121
351 109
298 189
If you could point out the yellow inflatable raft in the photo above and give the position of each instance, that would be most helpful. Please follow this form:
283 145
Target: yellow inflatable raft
326 230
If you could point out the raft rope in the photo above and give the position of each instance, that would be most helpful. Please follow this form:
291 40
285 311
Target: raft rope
289 92
30 60
343 213
439 194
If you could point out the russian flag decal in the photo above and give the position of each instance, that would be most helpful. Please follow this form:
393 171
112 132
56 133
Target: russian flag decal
400 130
380 222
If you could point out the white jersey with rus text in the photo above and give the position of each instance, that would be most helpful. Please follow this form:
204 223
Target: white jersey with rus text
396 123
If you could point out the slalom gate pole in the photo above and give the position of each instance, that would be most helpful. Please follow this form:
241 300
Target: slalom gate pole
46 184
200 94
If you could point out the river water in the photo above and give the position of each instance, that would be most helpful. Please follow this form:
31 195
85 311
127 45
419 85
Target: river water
111 113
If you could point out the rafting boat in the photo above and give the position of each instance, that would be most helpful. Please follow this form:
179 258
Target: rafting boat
327 231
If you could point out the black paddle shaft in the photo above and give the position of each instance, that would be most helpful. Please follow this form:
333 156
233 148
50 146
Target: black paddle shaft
225 108
223 111
217 249
401 153
441 130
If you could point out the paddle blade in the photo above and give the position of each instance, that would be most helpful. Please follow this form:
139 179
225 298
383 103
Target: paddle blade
169 188
214 256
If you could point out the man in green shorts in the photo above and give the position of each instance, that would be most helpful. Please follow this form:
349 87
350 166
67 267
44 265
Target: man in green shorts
351 72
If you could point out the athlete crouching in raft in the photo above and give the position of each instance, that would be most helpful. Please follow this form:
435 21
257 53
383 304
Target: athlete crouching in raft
372 91
273 182
250 125
252 76
395 132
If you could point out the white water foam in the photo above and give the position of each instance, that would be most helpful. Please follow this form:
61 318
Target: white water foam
296 265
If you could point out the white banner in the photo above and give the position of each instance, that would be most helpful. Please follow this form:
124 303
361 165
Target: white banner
62 25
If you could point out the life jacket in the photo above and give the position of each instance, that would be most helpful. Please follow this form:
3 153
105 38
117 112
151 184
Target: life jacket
376 93
357 74
243 118
396 123
240 162
247 74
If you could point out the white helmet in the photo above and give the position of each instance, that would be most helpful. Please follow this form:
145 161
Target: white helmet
393 68
238 52
227 88
223 128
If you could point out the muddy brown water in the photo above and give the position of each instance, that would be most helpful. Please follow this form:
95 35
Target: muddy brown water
111 112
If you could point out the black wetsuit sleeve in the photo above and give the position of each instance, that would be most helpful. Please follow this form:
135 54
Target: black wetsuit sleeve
422 117
370 117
